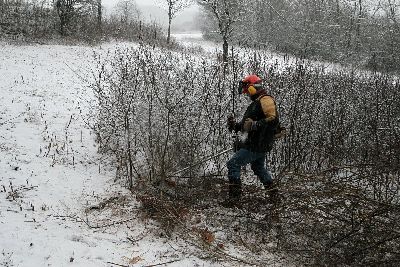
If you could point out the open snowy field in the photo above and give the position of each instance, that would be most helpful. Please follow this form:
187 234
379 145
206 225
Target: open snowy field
58 200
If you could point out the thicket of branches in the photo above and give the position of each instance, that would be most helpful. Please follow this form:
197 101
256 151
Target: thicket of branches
74 20
156 108
363 33
337 169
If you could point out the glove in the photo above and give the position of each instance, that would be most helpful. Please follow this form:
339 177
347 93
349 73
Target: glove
231 123
249 125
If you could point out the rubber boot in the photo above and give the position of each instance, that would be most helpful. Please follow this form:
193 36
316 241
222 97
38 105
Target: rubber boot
235 190
269 185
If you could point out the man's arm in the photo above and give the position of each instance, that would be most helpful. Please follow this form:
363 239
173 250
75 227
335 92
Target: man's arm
268 107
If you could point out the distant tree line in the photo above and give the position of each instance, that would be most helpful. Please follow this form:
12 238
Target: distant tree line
365 33
82 20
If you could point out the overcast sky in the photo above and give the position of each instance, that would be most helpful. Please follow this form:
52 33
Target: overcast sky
139 2
185 20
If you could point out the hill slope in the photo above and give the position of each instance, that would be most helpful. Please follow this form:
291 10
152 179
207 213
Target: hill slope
58 202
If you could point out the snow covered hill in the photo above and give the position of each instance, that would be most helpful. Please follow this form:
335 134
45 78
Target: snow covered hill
59 205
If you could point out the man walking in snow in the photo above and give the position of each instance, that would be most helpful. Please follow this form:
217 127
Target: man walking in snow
259 122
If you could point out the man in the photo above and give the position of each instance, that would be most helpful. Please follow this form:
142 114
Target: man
259 122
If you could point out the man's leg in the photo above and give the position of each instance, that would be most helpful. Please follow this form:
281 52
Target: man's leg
239 159
259 169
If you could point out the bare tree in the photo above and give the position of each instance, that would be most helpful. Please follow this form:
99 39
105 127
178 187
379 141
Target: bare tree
127 11
70 11
358 24
99 14
226 13
174 7
65 9
393 11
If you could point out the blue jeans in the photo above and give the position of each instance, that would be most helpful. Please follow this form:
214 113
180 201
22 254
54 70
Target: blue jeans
244 157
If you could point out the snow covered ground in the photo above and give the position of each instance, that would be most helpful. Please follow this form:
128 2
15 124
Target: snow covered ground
59 205
280 60
196 40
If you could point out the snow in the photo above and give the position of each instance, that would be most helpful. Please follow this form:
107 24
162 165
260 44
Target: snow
278 60
59 203
53 181
195 39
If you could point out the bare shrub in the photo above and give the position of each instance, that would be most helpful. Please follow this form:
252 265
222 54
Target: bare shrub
161 109
337 169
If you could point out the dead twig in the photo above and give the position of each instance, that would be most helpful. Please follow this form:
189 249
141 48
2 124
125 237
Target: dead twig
116 264
162 263
9 120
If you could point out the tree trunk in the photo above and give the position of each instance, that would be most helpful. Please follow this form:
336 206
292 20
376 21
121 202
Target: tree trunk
63 25
99 14
358 26
225 50
169 30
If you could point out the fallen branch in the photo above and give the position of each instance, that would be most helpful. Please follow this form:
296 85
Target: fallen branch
9 120
116 264
162 263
